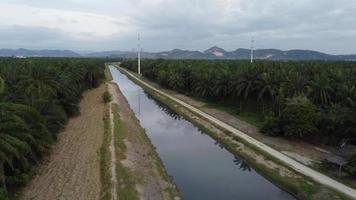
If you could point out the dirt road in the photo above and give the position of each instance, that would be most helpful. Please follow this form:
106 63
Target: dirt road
72 171
318 177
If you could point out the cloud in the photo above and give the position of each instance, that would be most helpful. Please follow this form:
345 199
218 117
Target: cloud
325 25
76 24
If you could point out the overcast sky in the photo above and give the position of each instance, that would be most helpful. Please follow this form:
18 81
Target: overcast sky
323 25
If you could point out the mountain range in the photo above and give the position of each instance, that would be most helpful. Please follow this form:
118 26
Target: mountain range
211 53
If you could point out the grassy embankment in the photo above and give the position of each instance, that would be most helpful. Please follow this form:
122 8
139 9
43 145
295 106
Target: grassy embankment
251 118
127 180
299 185
105 157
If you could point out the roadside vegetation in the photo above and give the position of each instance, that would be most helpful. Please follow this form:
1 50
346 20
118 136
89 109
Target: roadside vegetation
313 101
140 172
105 155
126 178
37 96
273 169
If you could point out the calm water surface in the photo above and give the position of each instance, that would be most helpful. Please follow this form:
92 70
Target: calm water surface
201 168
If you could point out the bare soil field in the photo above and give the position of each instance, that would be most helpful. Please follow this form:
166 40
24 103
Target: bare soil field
72 171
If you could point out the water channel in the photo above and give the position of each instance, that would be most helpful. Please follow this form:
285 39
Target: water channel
201 168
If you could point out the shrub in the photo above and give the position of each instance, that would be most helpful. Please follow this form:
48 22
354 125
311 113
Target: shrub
299 118
107 97
3 195
351 167
271 126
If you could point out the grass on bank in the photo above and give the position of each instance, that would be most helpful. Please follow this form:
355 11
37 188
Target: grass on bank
126 179
300 186
144 139
108 76
105 157
251 118
105 154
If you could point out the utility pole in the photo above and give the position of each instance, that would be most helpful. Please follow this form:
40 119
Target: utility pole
139 55
252 47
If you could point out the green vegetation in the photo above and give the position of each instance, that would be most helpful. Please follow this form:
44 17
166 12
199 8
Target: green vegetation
107 97
37 96
265 88
126 178
108 75
105 158
351 168
302 187
299 118
249 117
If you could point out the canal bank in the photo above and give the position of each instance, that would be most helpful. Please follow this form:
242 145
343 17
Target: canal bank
272 168
139 173
200 166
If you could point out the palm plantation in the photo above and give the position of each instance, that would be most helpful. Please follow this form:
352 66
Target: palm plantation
265 88
36 98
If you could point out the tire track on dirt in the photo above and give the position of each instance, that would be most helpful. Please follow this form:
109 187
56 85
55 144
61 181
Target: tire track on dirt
72 171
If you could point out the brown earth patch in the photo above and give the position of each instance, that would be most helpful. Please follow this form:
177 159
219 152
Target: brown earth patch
72 171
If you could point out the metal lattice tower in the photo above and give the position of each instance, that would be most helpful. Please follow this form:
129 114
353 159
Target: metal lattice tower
139 54
252 48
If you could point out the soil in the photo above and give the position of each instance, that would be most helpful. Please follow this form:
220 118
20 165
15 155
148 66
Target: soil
141 158
72 171
113 157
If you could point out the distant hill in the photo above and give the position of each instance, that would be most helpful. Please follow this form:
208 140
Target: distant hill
108 54
211 53
219 53
37 53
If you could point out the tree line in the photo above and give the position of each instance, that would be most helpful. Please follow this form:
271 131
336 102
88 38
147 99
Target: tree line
37 95
311 100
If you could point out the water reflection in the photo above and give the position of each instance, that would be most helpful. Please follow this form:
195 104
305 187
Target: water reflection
242 164
201 167
164 108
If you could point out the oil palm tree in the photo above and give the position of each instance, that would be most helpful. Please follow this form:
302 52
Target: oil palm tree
222 85
266 89
13 139
2 85
175 81
320 90
202 86
243 86
297 84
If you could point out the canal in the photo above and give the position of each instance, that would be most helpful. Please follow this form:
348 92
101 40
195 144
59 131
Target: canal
200 167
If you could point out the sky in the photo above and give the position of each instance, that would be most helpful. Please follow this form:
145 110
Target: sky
95 25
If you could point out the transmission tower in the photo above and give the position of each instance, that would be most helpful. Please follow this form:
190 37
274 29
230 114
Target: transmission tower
252 48
139 54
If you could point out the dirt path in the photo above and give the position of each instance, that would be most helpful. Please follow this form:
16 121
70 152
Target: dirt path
113 158
73 168
297 166
140 156
294 148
